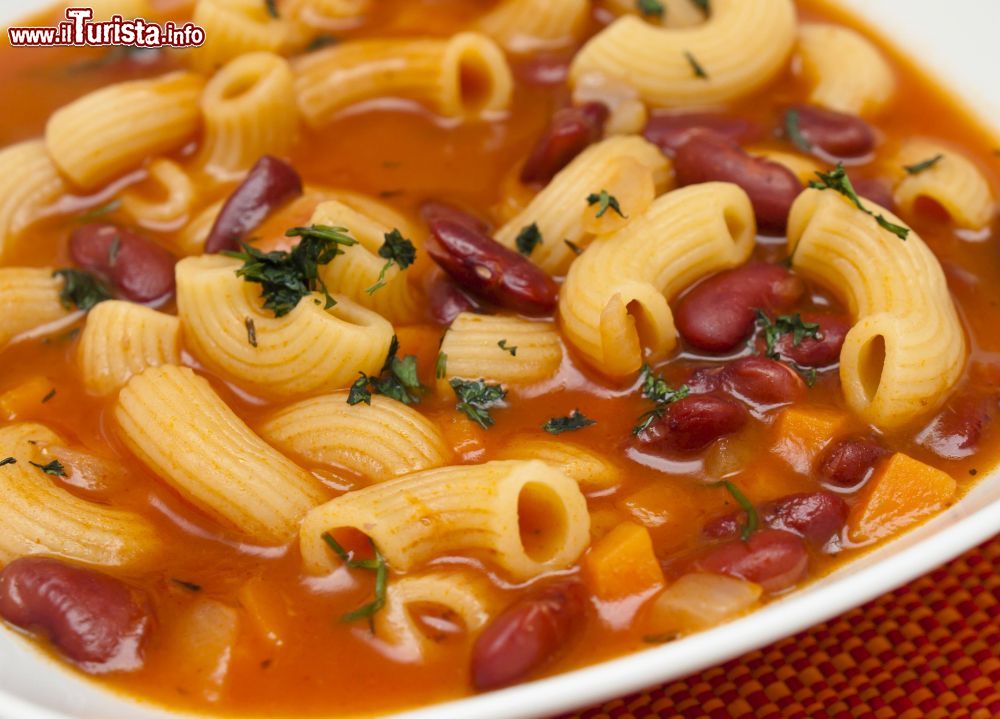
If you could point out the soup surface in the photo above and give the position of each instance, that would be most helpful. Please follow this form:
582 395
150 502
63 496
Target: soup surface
751 463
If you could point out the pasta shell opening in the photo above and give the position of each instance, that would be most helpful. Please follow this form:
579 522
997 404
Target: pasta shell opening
871 362
476 75
541 520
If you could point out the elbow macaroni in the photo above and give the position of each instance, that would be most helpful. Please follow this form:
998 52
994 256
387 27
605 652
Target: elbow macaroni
29 182
591 470
471 345
614 301
465 76
741 47
379 441
311 349
174 188
907 347
181 429
525 517
235 27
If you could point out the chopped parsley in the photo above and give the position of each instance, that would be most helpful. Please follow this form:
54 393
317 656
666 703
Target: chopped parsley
184 584
377 565
476 398
54 468
838 181
528 239
272 8
251 331
927 164
81 289
441 366
604 202
116 245
397 380
397 250
783 325
7 460
286 277
50 395
808 375
573 247
100 210
650 8
794 132
655 388
576 420
321 41
502 344
696 67
752 521
703 5
661 638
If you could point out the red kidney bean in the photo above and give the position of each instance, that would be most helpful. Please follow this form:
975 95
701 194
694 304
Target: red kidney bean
956 431
269 184
772 187
761 381
483 266
718 314
835 133
526 635
691 424
543 70
850 461
93 619
669 131
815 516
140 270
432 210
874 189
818 352
447 301
772 558
569 133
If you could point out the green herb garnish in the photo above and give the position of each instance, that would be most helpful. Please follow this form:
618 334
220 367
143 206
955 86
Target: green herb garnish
752 521
808 375
660 638
81 289
397 380
502 344
794 133
604 202
397 250
184 584
272 8
251 331
576 420
703 5
838 181
696 67
783 325
100 210
54 468
655 388
287 277
7 460
650 8
925 165
359 391
321 41
113 249
377 565
528 239
50 395
476 398
573 247
441 366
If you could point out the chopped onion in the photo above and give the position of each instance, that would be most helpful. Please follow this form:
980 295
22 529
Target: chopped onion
697 601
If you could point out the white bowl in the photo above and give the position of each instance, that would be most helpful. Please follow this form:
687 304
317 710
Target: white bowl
958 46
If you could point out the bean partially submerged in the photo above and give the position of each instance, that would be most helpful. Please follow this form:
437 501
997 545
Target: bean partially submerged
669 131
835 133
849 462
815 516
772 558
569 133
139 269
691 424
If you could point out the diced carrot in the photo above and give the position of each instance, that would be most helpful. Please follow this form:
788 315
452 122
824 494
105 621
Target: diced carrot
422 341
466 438
801 433
667 510
26 400
622 563
900 493
266 609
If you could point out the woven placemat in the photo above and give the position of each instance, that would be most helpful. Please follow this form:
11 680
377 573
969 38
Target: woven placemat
929 650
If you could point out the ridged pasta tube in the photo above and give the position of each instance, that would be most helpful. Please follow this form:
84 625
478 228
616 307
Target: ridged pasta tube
849 72
676 13
614 301
236 27
29 181
529 25
465 594
590 469
121 339
311 349
741 47
465 76
249 111
173 192
328 14
181 429
526 517
532 351
618 165
29 297
379 441
114 129
358 269
907 347
953 182
39 517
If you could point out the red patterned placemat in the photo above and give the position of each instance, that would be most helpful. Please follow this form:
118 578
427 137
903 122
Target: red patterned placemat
929 650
